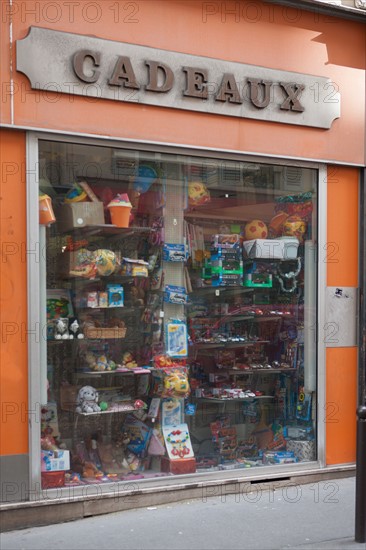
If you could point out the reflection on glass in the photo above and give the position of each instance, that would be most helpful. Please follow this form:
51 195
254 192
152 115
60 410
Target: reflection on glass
180 299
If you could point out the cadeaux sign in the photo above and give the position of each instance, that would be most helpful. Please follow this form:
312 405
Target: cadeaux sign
74 64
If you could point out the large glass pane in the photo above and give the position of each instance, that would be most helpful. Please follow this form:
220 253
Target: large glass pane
181 296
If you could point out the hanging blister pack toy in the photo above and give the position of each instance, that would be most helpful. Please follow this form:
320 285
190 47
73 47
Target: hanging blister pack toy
176 338
175 294
174 252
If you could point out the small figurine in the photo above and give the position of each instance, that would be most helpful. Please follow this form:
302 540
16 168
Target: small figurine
61 331
128 361
75 331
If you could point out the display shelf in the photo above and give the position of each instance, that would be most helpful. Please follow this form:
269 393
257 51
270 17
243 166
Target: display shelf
127 406
124 409
209 345
128 310
114 277
236 372
217 291
58 342
227 318
128 372
109 230
119 338
230 400
269 260
263 318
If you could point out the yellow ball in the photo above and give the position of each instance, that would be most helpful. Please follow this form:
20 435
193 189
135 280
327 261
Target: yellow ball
256 229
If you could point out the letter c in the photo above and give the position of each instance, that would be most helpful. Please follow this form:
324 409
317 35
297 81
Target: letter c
78 65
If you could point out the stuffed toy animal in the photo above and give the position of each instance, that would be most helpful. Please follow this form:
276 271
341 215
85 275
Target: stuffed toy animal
61 329
75 330
87 400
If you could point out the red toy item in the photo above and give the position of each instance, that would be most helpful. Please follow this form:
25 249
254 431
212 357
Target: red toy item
178 466
52 480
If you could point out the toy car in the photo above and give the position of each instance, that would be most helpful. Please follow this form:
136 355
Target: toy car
177 299
177 256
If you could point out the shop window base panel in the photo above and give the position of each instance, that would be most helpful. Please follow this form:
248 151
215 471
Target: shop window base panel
62 508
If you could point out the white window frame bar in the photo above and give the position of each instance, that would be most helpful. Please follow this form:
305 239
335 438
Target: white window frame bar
35 237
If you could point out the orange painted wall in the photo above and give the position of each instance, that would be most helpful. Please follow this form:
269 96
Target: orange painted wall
342 270
275 37
341 403
13 296
257 33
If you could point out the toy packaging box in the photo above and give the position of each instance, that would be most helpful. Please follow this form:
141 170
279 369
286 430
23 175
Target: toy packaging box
279 457
79 214
258 280
55 460
226 280
281 248
225 254
178 466
174 253
178 441
134 268
115 295
172 411
176 339
175 294
139 434
234 267
226 241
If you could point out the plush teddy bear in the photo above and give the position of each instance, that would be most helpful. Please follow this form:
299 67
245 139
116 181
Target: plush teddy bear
87 401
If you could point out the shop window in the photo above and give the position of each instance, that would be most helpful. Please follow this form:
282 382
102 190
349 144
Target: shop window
181 301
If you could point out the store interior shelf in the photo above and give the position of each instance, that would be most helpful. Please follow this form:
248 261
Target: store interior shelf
126 409
78 340
230 400
217 291
208 345
227 318
250 260
87 374
109 229
65 341
114 277
121 309
239 372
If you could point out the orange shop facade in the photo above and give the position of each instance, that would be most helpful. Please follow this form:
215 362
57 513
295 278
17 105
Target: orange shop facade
186 307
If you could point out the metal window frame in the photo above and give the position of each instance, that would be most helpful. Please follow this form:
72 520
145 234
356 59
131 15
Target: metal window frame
34 239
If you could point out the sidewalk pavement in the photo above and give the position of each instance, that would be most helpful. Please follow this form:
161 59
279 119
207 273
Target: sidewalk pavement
311 516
